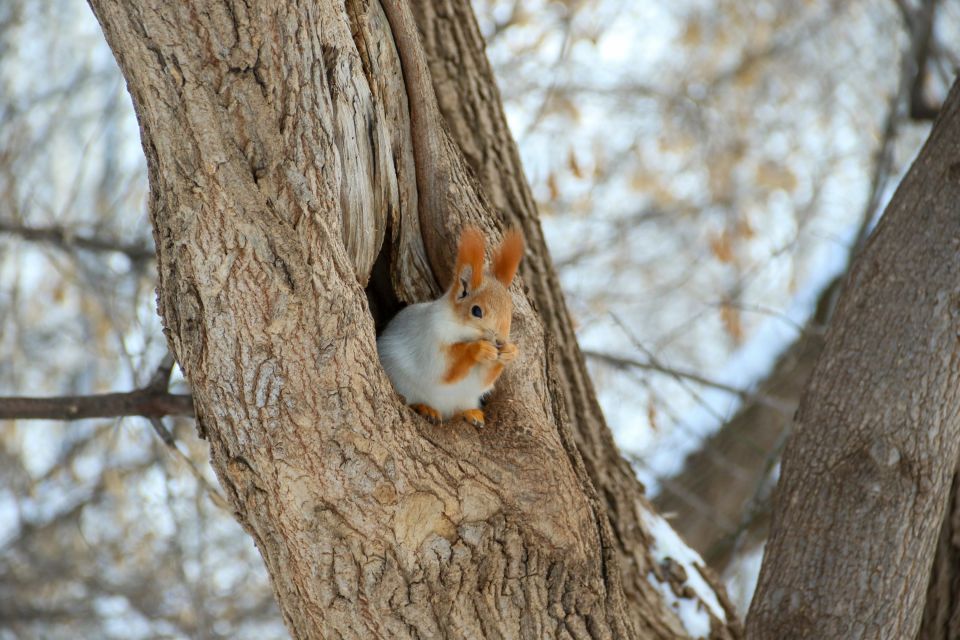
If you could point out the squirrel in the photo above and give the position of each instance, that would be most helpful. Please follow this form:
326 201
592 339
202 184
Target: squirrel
443 356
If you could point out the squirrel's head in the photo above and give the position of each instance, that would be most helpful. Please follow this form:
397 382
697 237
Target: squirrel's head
480 300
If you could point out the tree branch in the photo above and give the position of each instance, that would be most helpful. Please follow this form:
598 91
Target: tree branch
919 23
65 239
142 402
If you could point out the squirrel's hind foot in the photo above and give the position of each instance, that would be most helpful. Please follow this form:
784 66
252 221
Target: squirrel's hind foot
472 416
428 412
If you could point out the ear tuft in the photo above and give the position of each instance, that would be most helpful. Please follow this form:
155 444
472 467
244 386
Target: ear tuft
470 254
508 257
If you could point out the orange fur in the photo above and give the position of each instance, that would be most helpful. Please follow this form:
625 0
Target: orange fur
497 309
462 356
508 256
473 416
470 253
494 373
508 352
428 412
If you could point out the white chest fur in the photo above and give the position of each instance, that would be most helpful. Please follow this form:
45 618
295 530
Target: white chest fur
413 351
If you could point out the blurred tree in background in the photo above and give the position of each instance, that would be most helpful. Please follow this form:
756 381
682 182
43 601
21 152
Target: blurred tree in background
704 171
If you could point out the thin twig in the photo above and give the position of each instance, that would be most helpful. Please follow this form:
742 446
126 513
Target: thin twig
622 362
159 382
161 377
744 394
171 443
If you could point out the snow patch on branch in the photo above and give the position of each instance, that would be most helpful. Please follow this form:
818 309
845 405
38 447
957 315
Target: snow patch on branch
671 554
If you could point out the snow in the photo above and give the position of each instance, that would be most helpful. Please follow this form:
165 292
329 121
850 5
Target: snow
667 544
742 576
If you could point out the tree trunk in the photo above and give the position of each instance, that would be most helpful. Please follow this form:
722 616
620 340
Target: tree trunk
867 471
284 161
941 614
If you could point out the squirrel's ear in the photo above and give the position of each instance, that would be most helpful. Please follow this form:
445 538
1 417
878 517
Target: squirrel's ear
507 258
468 274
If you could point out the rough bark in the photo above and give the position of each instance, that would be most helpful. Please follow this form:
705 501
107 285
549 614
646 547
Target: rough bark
941 614
280 157
867 471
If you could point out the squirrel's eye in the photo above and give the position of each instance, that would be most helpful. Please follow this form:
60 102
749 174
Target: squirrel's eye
477 311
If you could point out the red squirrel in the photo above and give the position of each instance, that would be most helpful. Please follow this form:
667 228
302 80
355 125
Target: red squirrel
444 356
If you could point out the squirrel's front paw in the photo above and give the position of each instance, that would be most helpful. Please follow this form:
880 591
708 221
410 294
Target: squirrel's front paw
508 352
486 351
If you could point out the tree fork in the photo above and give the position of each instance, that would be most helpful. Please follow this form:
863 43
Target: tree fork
278 148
